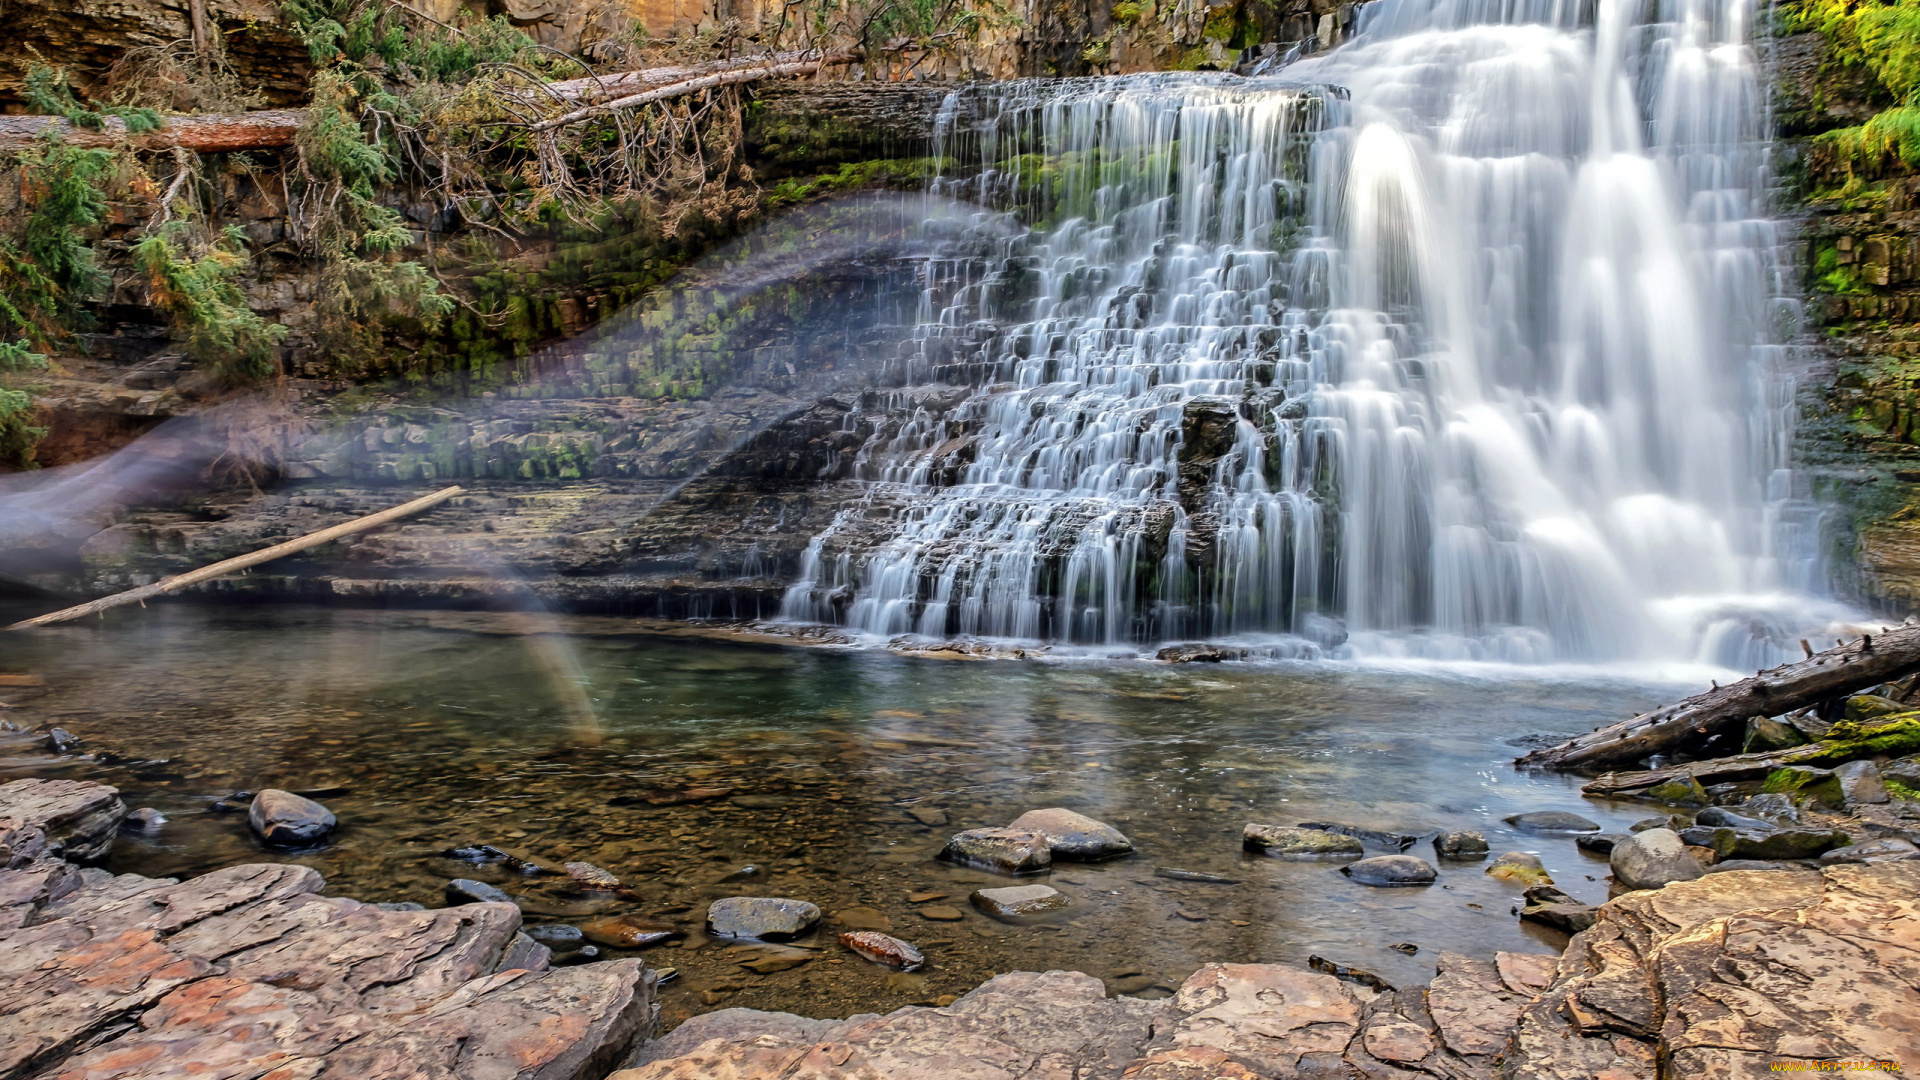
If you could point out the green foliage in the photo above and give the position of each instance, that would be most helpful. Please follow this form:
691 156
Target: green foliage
1884 37
1902 791
47 269
1831 277
208 311
1852 739
47 93
17 434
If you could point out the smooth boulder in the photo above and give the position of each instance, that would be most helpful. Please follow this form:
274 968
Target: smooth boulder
1285 843
1388 871
1464 844
1652 859
1004 851
1551 821
284 820
1075 836
1520 867
761 917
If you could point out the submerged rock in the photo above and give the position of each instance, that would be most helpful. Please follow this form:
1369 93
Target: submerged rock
884 949
1599 843
469 891
761 917
285 820
1282 842
1005 851
1391 870
145 819
1348 973
1197 876
1652 859
1464 844
1551 821
1518 866
588 876
629 931
1017 902
1380 838
1075 836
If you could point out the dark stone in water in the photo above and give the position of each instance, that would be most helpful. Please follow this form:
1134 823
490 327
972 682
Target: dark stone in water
469 891
1073 835
1551 907
1019 902
1348 973
1198 652
1199 876
1380 838
1665 821
62 741
1388 871
478 853
560 937
236 803
761 917
284 820
1721 817
585 954
1302 843
1552 821
145 819
1005 851
1463 844
1599 843
1407 947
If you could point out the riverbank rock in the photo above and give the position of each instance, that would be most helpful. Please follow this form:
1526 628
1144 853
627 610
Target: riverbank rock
1552 821
1551 907
1462 844
1020 902
1282 842
469 891
1075 836
1721 817
1004 851
760 917
1768 844
284 820
1600 843
73 820
1391 871
249 971
1651 859
1885 849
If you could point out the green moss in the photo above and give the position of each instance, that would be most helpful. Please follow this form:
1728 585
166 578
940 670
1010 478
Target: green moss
1901 791
1852 739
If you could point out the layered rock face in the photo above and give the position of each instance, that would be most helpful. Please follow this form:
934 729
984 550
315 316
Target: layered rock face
249 971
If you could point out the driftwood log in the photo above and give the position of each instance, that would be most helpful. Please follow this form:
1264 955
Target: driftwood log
1713 771
213 133
1845 669
241 562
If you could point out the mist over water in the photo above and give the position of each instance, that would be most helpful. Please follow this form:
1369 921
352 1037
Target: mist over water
1464 340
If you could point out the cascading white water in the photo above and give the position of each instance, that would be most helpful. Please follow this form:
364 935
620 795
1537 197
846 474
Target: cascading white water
1478 359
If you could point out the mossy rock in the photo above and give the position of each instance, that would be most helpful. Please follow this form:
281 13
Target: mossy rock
1679 792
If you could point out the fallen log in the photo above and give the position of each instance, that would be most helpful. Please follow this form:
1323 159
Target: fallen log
679 89
206 133
1894 733
242 562
1845 669
602 87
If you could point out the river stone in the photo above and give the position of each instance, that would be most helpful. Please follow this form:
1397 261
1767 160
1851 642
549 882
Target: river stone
1765 733
145 819
761 917
1721 817
1020 901
559 937
1776 844
1075 836
469 891
1599 843
862 918
1652 859
1380 838
1391 870
884 949
1520 867
1860 783
765 959
1664 821
1551 907
1282 842
1462 844
1886 849
285 820
629 931
1005 851
940 913
1551 821
589 876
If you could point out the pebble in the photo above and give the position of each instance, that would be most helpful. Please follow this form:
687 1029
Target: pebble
1005 851
589 876
941 913
629 931
285 820
1388 871
1075 836
1020 901
761 917
469 891
1282 842
1551 821
884 949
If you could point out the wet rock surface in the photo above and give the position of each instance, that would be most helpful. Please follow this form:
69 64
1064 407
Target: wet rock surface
1073 836
1390 871
1020 901
1004 851
1283 842
284 820
249 971
1651 859
1462 844
770 917
1552 821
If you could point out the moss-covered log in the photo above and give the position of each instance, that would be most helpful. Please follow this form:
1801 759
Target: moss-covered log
1845 669
1849 740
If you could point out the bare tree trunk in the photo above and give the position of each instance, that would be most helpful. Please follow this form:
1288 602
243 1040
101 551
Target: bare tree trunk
1844 669
209 133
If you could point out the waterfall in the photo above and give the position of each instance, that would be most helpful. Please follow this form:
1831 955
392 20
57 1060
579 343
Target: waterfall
1460 340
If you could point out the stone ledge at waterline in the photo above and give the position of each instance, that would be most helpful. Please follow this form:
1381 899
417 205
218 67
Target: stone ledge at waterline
249 972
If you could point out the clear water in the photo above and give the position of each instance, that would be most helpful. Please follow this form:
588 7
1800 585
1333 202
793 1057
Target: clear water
452 729
1492 337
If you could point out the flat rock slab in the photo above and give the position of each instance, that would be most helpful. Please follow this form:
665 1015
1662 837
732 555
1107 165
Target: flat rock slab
1004 851
1391 871
761 917
249 971
70 819
1552 821
1020 902
1075 836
